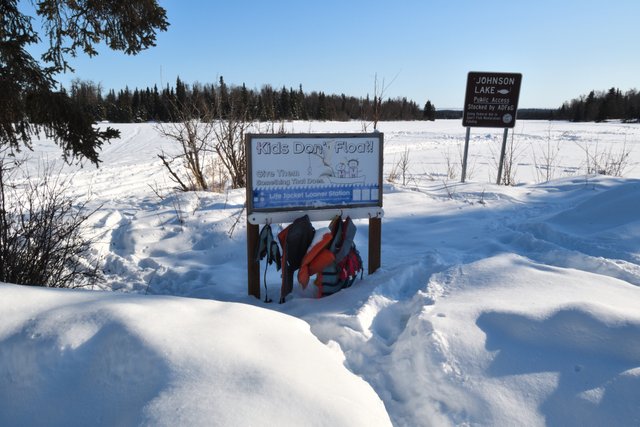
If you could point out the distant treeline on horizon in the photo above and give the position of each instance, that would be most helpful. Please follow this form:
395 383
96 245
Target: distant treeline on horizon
220 100
268 104
594 107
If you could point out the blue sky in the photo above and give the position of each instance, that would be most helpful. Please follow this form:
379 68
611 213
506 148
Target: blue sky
421 49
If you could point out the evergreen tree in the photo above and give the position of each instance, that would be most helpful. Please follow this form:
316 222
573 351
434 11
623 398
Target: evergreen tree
138 115
295 106
429 111
87 95
602 113
157 109
578 111
321 112
244 104
600 105
267 95
225 104
591 107
125 113
181 92
284 105
302 111
29 102
111 110
260 110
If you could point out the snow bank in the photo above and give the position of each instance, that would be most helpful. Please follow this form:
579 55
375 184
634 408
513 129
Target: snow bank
535 344
93 358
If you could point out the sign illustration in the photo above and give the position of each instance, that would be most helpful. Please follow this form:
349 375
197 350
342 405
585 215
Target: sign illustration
306 171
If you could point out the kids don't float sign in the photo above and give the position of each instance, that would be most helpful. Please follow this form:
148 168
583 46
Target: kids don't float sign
305 171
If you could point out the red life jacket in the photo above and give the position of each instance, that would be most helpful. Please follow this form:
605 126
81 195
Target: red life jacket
344 270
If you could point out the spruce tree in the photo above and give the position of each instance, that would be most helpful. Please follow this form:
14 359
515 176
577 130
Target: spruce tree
284 105
225 103
429 112
29 101
181 92
321 112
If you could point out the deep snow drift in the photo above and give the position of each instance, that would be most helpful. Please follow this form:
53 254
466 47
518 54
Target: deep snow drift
89 358
494 305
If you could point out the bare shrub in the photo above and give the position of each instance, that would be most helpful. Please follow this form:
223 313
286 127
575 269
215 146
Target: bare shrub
41 232
379 91
393 174
513 152
230 146
546 162
273 127
471 164
194 136
451 190
452 168
219 175
212 150
510 163
400 169
606 162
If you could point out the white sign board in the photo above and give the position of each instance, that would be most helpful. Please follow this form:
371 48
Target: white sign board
307 171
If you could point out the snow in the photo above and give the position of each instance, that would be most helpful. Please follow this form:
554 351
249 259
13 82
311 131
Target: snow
90 358
494 305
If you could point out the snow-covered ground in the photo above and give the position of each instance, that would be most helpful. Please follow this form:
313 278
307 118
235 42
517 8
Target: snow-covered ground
494 305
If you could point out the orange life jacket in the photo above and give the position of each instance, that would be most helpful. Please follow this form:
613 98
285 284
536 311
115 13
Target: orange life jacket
317 258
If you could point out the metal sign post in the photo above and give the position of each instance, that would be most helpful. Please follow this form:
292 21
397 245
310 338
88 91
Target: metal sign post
466 154
491 100
502 152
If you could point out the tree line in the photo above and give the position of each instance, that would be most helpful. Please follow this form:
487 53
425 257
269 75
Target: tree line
270 104
221 100
602 105
597 106
523 114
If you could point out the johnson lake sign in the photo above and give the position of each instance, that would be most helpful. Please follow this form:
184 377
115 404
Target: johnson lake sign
491 99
